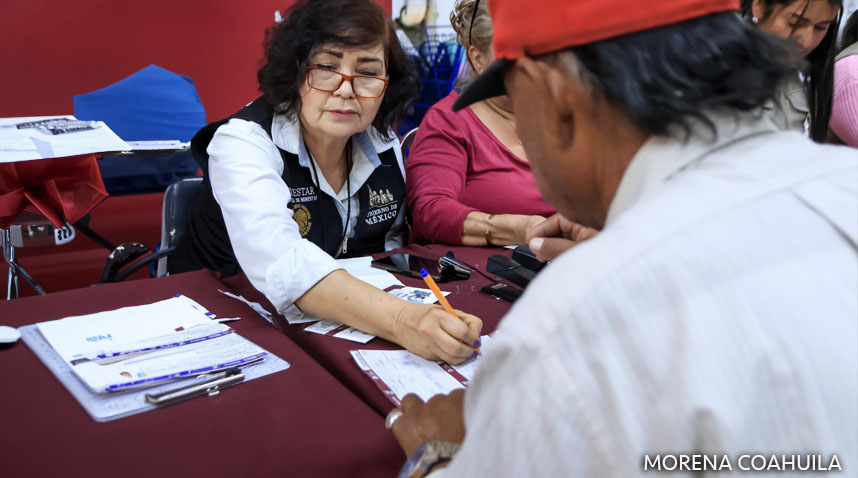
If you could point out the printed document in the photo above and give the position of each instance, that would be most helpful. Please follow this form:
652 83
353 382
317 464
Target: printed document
400 372
147 345
42 137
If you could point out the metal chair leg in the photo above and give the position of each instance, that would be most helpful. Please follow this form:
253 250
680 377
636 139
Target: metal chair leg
10 254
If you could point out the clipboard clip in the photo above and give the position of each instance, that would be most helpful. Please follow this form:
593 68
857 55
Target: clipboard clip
210 387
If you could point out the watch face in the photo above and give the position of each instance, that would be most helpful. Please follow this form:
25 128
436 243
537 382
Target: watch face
412 461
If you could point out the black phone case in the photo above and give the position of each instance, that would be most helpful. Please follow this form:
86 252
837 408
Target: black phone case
502 291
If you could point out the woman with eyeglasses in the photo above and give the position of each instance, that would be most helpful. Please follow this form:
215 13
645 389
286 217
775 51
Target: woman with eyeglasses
469 181
804 103
311 171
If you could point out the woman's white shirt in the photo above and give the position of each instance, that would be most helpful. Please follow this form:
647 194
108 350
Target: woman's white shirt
245 170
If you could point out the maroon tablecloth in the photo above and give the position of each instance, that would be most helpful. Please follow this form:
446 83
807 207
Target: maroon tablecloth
334 353
297 422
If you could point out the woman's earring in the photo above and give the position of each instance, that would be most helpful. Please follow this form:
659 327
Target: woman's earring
755 20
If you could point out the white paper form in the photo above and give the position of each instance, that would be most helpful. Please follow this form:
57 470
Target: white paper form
361 268
400 372
29 143
86 334
197 344
202 349
340 331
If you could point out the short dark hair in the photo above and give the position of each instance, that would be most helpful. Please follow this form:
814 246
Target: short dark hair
819 67
665 76
351 23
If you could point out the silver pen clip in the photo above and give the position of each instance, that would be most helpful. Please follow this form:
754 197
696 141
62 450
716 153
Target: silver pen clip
210 387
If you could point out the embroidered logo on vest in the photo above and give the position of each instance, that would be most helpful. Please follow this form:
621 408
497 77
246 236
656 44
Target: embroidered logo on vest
380 198
301 215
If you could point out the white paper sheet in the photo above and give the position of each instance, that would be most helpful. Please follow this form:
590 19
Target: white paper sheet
256 306
323 327
400 372
34 143
404 373
354 335
326 327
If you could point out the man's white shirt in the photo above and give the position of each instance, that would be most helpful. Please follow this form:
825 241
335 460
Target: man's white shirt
716 313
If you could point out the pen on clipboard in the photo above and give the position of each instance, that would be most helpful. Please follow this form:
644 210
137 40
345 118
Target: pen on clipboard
441 299
212 386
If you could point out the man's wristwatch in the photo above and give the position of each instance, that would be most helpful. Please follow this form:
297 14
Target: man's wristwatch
426 457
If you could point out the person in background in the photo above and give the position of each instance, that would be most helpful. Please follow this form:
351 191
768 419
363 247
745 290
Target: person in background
469 181
844 110
804 100
311 171
714 313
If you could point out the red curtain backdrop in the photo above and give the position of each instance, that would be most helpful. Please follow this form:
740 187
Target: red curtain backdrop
55 50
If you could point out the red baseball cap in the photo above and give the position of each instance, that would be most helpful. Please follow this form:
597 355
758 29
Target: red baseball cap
525 28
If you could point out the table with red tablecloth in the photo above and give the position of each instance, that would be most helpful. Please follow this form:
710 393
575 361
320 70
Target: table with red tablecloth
334 353
297 422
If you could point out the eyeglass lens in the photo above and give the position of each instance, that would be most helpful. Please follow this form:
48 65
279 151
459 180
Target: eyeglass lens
329 80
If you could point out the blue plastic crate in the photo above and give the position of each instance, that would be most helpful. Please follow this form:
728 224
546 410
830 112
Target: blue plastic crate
438 66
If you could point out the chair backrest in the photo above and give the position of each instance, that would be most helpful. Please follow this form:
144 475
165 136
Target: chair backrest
406 143
178 200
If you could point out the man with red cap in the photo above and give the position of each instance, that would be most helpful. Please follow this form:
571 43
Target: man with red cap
711 324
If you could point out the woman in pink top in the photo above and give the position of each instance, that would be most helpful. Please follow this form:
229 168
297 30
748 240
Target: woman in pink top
844 112
467 175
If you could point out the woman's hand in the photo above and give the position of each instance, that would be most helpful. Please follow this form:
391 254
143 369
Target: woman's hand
434 334
523 225
552 237
481 229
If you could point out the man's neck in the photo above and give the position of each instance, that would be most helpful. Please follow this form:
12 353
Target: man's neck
625 141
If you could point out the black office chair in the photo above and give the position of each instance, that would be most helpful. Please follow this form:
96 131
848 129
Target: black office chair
178 200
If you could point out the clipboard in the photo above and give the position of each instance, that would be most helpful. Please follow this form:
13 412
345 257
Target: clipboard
110 406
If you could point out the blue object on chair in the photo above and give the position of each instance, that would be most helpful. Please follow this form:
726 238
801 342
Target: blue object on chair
152 104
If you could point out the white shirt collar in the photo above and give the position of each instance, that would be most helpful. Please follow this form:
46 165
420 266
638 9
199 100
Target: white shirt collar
286 134
661 157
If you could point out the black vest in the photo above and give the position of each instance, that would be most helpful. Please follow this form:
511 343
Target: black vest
206 244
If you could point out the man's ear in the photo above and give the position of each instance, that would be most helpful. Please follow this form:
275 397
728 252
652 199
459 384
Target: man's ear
550 87
567 99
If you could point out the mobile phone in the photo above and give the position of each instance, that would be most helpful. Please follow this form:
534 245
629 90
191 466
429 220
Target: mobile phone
502 291
409 265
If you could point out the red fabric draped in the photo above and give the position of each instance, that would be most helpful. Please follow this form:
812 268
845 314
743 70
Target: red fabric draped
58 188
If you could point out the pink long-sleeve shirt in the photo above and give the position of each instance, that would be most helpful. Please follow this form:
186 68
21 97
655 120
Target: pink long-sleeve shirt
456 166
844 110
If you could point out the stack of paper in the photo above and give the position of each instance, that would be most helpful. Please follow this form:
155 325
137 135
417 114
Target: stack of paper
41 137
147 345
399 372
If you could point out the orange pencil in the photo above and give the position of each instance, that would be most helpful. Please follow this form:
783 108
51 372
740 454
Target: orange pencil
443 300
